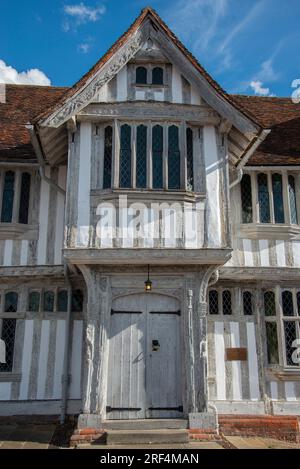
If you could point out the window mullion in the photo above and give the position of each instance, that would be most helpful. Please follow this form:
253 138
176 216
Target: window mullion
297 190
286 198
16 202
280 326
255 205
165 156
100 146
271 200
149 156
116 154
183 156
133 155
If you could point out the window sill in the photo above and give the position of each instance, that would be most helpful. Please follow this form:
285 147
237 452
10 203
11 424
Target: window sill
283 374
150 195
18 231
149 85
9 377
268 231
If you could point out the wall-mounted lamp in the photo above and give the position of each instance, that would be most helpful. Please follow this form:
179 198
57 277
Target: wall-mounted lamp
148 283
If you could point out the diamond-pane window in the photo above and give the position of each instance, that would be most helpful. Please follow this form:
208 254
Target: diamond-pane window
298 303
173 158
157 157
246 196
269 303
272 343
247 303
141 156
292 200
157 76
77 301
24 198
8 197
277 198
226 302
141 76
125 156
49 301
287 303
290 336
62 300
263 198
189 159
34 301
213 302
107 164
11 302
8 332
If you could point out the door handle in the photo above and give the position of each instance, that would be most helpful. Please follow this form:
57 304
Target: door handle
155 345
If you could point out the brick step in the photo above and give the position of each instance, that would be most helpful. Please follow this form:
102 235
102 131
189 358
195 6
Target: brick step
145 424
87 435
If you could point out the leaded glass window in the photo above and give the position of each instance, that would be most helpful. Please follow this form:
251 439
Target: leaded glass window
8 332
62 300
157 157
226 302
11 302
8 197
141 75
292 200
298 303
24 198
173 158
247 303
287 303
263 198
34 301
107 165
213 302
77 301
246 196
141 156
125 156
157 76
272 343
290 335
277 198
189 159
49 301
269 303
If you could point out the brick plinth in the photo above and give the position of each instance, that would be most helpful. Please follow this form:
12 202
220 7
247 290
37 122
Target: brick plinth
203 434
270 426
87 435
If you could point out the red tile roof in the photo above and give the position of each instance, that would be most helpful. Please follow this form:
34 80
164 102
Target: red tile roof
23 103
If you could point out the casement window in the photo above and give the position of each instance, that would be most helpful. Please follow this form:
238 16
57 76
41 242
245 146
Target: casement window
269 197
282 326
220 302
54 301
15 196
141 75
149 75
247 303
148 156
8 324
157 76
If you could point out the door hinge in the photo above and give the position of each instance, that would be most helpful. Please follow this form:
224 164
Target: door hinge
178 409
120 409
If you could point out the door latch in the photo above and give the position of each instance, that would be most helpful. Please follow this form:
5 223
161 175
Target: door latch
155 345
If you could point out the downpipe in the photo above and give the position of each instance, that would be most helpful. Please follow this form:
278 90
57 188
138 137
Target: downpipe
65 376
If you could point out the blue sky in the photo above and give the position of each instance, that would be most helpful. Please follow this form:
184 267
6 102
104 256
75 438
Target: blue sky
248 46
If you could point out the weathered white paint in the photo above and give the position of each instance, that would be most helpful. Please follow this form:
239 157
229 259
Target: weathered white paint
59 357
280 253
274 390
84 183
176 85
236 365
102 96
43 220
252 362
159 96
264 252
26 360
195 97
8 252
24 252
60 208
44 350
76 358
140 95
122 84
296 253
290 391
5 390
212 186
220 361
247 246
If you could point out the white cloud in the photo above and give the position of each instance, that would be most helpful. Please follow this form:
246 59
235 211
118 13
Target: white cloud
33 76
80 13
84 47
259 89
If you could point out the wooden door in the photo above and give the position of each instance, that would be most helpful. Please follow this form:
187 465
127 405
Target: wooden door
144 372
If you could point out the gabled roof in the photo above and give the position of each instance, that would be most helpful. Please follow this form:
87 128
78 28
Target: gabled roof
22 104
148 13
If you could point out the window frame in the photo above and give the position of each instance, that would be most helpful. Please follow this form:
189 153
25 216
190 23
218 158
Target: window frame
18 172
